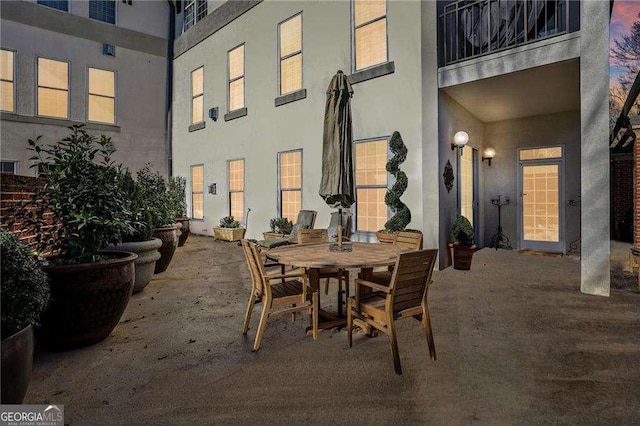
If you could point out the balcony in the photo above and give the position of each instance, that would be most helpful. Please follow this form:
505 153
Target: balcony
473 28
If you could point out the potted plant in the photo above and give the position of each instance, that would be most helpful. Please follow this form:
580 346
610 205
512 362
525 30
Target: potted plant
401 213
280 227
79 210
461 245
177 193
139 238
229 230
25 293
162 214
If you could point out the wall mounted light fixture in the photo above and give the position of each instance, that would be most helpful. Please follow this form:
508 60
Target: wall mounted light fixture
213 114
460 139
489 153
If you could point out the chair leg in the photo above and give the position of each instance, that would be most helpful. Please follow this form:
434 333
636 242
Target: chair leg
326 286
394 346
427 328
349 322
247 315
314 315
263 323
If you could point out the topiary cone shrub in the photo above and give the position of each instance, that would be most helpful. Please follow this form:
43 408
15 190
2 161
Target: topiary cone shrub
402 214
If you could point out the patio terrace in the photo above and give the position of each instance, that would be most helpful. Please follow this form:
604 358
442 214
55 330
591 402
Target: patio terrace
516 341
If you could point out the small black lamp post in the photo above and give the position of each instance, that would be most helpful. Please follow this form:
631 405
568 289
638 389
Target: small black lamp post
499 240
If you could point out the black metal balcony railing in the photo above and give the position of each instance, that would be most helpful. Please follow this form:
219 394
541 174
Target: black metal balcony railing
471 28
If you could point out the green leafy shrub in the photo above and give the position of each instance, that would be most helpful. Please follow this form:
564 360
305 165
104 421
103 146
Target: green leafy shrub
281 225
462 231
81 208
178 195
229 222
141 227
162 210
25 292
402 214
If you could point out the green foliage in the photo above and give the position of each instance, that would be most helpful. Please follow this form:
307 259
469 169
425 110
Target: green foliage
462 231
141 228
25 292
178 194
402 214
162 209
281 225
229 222
81 207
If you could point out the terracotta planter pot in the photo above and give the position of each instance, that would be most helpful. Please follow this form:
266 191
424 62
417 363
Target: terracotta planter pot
169 237
87 300
17 360
385 237
148 254
229 234
461 255
186 230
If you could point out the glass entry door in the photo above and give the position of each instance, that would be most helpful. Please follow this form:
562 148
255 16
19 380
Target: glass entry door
541 213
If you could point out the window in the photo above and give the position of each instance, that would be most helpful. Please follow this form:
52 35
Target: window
290 184
194 11
236 189
236 78
197 95
197 192
8 167
102 96
371 185
541 153
7 98
369 33
290 45
103 10
60 5
53 88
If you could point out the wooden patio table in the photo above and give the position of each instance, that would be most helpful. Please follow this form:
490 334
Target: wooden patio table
313 257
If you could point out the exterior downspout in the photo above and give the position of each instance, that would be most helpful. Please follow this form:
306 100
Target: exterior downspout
169 87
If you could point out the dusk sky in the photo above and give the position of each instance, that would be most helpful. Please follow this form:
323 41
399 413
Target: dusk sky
625 12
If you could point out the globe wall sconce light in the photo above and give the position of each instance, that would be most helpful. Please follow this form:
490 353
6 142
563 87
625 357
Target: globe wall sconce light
460 139
489 153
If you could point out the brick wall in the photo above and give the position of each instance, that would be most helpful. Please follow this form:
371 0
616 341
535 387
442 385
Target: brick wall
13 189
636 190
622 197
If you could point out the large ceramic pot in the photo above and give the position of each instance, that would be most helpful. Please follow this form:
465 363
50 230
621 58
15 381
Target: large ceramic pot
186 230
169 237
461 255
148 254
87 300
17 359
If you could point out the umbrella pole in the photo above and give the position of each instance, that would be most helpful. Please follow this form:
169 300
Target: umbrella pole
340 228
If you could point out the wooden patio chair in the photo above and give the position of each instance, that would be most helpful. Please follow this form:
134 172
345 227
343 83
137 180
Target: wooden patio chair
291 290
408 240
405 297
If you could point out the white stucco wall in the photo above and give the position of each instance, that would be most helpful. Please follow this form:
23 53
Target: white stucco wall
379 106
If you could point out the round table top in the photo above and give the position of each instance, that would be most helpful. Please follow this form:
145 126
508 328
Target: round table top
363 255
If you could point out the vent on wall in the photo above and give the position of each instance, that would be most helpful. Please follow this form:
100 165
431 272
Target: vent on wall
108 49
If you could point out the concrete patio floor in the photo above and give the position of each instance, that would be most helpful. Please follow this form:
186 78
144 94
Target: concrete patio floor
517 343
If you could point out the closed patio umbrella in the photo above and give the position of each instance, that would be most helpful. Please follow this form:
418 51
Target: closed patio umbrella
336 186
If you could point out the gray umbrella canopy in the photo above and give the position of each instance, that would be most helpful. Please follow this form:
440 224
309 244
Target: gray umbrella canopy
336 186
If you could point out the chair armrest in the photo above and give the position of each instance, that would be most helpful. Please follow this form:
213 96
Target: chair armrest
293 275
375 286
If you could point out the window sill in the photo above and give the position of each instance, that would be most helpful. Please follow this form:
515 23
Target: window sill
197 126
373 72
291 97
7 116
235 114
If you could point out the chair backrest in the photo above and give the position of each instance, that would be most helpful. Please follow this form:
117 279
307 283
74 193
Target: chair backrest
410 278
307 218
311 236
347 219
256 267
410 240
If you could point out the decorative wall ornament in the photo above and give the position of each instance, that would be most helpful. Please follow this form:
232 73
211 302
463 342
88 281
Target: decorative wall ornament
448 176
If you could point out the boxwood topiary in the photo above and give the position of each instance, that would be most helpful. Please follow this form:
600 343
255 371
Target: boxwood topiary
402 214
462 231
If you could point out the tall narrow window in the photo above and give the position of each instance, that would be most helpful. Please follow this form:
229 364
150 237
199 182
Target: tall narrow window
194 11
53 88
290 183
103 10
197 95
371 185
236 78
102 96
197 192
7 99
369 33
290 44
60 5
236 189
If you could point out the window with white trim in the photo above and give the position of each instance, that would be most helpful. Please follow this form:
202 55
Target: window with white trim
369 33
290 184
7 88
194 11
236 78
197 192
103 10
236 189
290 54
102 96
197 95
53 88
60 5
371 184
8 167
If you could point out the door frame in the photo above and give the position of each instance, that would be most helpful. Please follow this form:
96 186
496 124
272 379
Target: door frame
544 246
